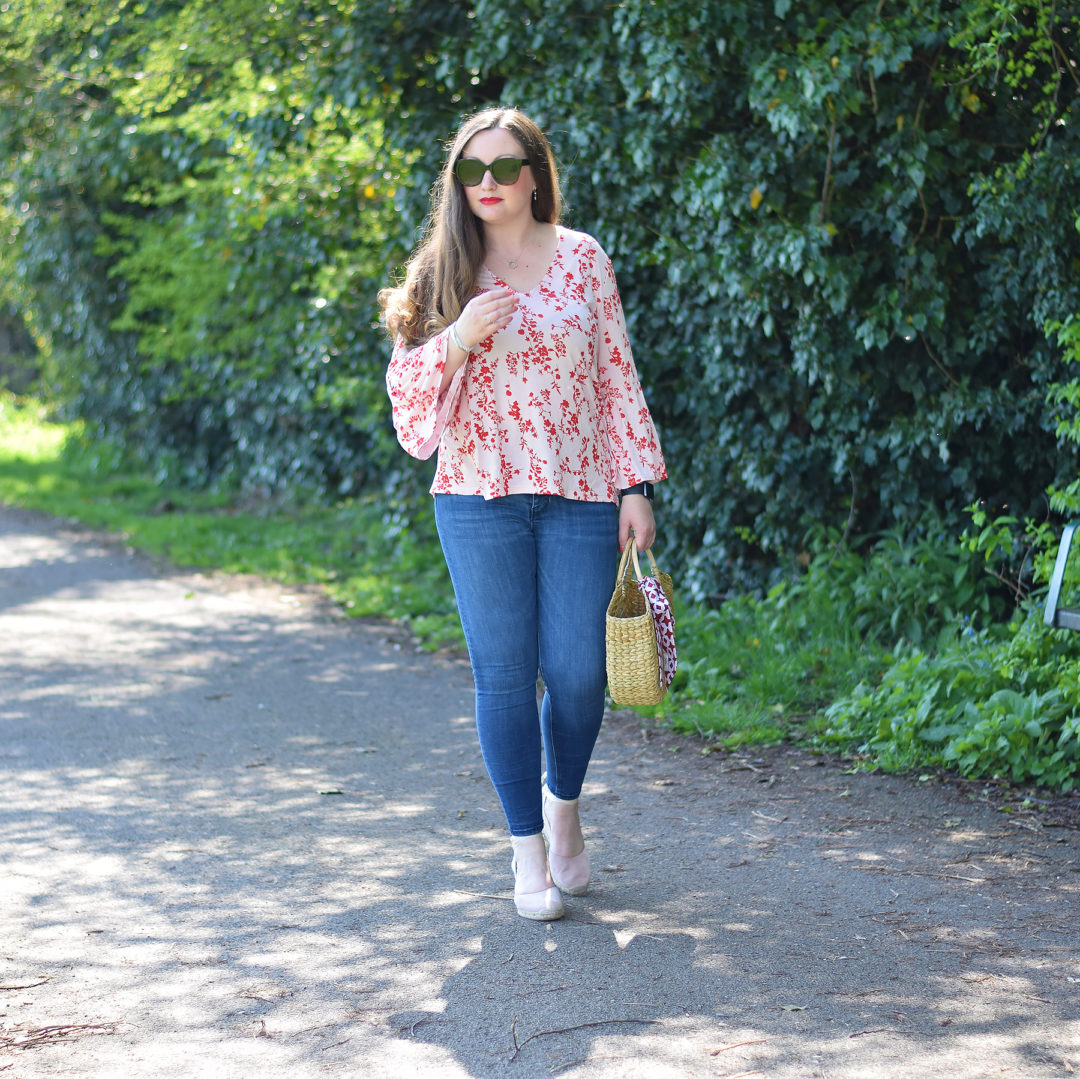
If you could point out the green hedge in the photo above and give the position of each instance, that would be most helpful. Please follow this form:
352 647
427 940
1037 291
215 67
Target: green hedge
840 232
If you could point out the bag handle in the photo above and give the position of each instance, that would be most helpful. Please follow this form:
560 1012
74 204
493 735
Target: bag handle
630 551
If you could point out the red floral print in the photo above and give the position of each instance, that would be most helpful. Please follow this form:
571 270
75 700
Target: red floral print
550 405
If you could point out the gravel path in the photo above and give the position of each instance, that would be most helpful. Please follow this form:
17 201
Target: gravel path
242 837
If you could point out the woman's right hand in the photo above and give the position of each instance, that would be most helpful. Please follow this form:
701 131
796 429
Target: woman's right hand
484 315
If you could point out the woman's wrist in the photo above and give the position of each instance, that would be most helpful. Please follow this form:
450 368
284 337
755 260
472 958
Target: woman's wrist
456 338
645 488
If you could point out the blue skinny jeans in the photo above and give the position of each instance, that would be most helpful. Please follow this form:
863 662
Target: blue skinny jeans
533 575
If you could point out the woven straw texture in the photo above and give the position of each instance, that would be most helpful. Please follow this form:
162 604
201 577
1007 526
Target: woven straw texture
633 667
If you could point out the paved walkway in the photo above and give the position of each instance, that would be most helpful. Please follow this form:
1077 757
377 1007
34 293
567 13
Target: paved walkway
241 837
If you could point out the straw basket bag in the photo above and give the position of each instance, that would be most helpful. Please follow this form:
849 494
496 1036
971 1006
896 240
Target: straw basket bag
636 669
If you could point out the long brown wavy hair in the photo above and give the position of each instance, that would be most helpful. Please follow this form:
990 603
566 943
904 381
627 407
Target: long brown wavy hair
441 276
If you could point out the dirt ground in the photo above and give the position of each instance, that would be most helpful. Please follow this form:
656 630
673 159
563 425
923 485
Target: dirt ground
241 836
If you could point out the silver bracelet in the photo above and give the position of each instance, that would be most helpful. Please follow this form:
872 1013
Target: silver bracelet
456 338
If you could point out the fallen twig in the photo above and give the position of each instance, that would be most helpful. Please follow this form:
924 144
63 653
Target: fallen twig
40 1035
736 1045
518 1046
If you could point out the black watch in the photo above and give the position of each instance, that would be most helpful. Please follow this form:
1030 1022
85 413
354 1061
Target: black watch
644 488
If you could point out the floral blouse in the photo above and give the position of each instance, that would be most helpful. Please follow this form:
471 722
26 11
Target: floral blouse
550 405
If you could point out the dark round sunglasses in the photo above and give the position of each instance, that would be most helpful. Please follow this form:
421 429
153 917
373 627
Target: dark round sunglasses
504 170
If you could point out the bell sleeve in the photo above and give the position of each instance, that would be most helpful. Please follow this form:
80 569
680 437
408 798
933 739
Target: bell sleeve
420 411
628 424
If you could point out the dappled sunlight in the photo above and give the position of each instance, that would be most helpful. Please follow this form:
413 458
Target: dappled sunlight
252 841
167 860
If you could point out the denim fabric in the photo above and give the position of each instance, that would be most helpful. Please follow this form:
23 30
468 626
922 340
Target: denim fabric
533 575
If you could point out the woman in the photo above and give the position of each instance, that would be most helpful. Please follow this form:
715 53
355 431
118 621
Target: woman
511 358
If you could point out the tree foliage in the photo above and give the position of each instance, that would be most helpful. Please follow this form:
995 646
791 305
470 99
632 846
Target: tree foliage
198 224
841 231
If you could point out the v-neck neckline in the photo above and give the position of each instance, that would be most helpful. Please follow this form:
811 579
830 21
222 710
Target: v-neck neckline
542 278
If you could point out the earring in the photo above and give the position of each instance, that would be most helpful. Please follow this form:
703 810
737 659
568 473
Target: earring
534 194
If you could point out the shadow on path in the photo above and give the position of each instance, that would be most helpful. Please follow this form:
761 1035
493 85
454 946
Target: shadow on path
261 842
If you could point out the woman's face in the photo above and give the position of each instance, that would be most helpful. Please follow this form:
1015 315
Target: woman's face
492 203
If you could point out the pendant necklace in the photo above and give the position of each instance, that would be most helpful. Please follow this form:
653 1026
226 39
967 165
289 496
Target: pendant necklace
513 263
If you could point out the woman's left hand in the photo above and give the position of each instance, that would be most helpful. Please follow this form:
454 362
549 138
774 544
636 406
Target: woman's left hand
635 512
